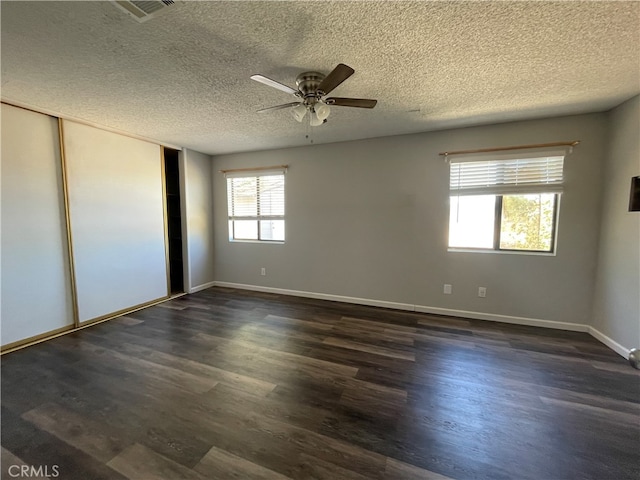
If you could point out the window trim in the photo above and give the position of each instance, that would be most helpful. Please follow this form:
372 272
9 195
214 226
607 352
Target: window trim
501 252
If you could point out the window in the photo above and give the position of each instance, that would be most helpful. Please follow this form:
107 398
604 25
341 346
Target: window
256 206
505 204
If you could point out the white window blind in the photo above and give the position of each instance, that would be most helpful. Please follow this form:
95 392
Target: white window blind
256 198
514 175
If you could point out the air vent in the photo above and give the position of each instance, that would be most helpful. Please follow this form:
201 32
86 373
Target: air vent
143 11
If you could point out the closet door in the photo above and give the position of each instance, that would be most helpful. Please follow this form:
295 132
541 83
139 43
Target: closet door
116 203
36 286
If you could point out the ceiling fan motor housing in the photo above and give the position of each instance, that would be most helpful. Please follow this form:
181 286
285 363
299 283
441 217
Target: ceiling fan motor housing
308 83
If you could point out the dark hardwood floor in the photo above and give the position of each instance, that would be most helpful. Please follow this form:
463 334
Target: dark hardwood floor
227 384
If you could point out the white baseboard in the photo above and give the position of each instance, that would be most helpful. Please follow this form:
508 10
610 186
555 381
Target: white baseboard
319 296
534 322
609 342
204 286
494 317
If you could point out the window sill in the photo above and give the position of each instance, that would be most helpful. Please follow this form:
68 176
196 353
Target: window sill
261 242
503 252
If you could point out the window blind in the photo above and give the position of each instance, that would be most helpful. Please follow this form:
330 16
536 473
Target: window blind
256 197
515 175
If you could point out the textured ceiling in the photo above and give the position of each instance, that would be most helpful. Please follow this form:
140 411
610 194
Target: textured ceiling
183 76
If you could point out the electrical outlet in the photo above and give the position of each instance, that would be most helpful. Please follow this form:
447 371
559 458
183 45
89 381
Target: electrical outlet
263 271
447 289
482 292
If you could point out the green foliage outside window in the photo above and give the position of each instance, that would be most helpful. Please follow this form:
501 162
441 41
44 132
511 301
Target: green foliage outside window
527 222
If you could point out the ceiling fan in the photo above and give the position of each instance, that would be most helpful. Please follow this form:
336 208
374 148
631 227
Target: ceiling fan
312 90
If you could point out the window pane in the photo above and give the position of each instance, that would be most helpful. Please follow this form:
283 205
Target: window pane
527 222
272 230
471 221
245 229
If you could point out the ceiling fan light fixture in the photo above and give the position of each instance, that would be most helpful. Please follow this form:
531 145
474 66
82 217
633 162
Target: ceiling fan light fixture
322 110
299 111
314 120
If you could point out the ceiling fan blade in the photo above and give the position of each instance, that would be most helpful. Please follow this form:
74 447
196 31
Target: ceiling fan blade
335 78
274 84
278 107
351 102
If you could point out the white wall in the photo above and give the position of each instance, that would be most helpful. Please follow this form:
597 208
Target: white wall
616 312
369 219
36 295
198 202
116 205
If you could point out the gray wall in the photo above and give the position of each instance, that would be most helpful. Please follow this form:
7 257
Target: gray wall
369 219
616 311
198 219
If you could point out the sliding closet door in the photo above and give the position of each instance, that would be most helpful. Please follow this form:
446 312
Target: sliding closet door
116 203
36 287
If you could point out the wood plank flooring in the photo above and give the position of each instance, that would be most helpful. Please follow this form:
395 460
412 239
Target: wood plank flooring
227 384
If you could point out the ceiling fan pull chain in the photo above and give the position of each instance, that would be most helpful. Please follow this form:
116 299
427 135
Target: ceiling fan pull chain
309 134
